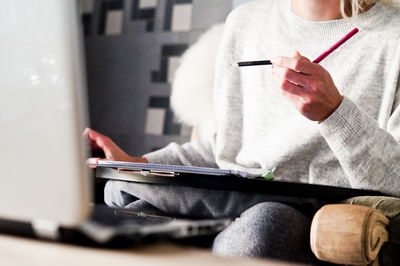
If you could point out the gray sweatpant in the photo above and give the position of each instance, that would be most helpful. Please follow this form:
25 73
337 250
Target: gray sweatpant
265 225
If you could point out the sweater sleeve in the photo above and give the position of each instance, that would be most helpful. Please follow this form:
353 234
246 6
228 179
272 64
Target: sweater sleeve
196 153
369 155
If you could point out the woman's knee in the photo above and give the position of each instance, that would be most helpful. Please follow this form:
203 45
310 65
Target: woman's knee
114 196
268 229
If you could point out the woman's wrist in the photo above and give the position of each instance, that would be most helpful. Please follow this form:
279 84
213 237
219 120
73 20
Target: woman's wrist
333 110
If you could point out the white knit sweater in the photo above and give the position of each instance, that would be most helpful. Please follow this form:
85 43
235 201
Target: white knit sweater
357 146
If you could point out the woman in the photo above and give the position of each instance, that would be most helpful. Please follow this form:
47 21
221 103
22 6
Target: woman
334 123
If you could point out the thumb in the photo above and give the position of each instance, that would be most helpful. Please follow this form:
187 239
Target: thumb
296 54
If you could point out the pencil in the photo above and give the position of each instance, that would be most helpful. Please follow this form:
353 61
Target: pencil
336 45
254 63
317 60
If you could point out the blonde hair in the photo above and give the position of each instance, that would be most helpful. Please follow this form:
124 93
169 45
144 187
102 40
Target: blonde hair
351 8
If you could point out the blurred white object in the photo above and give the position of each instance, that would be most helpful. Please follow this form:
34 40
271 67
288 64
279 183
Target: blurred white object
42 112
192 88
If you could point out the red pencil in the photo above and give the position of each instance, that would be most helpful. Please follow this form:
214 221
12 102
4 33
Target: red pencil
319 59
336 45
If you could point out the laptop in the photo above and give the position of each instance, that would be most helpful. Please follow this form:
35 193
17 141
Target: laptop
46 190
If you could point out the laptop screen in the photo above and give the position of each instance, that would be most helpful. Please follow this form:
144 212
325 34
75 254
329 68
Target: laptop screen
42 112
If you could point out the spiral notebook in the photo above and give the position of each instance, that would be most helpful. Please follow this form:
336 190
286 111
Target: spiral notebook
170 169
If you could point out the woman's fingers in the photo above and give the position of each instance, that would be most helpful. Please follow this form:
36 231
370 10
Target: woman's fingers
100 141
307 85
292 76
111 150
299 63
88 133
92 162
296 94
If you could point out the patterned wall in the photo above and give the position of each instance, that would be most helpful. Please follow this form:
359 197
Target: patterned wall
132 50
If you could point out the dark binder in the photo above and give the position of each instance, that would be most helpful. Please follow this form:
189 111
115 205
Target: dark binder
220 179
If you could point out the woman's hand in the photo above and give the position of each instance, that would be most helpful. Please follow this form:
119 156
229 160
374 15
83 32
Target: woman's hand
110 149
307 85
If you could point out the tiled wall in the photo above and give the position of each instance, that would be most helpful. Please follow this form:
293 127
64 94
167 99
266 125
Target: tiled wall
132 50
